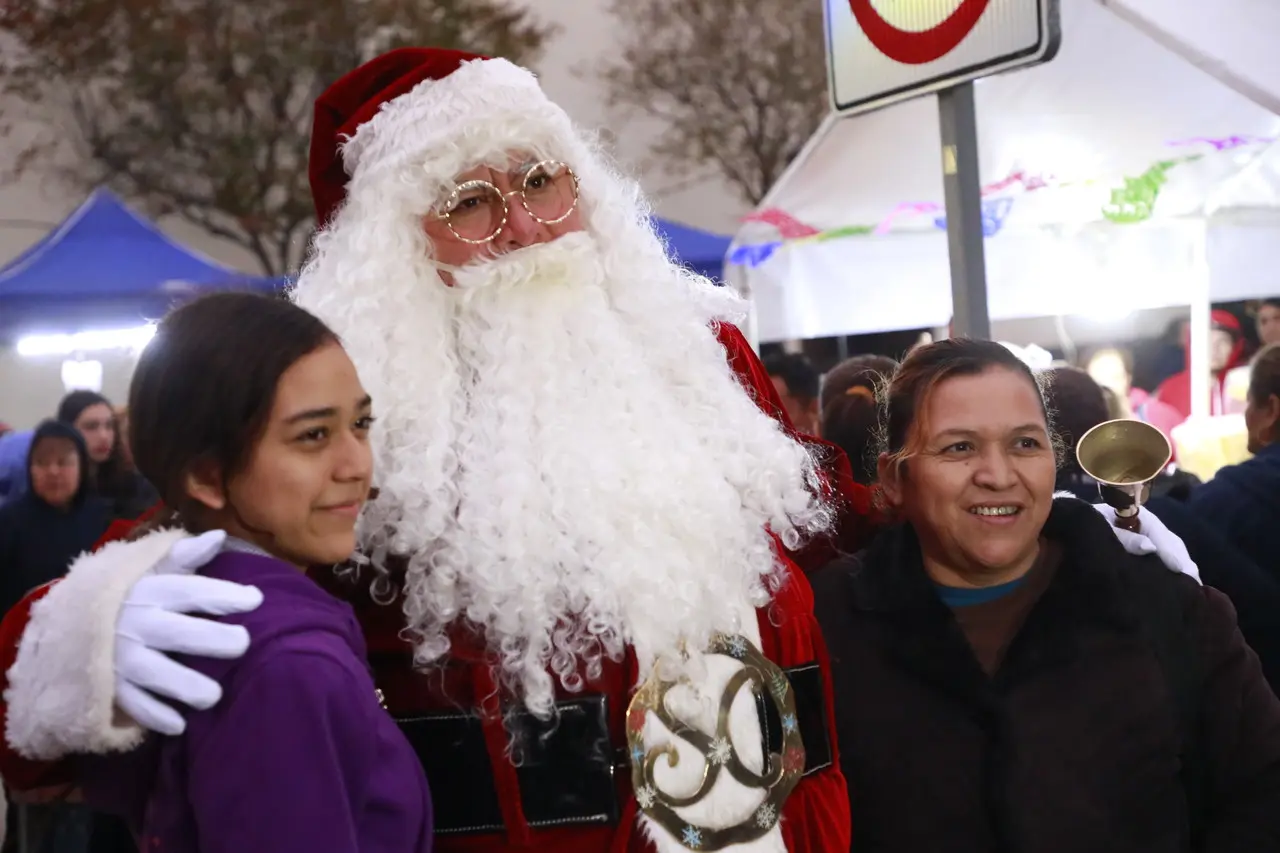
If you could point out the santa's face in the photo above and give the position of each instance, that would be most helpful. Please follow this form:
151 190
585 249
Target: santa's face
493 211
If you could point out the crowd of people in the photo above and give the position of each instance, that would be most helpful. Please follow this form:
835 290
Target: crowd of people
62 485
816 402
597 580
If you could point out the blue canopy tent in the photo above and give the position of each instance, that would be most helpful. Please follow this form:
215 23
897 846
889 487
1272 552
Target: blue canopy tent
700 251
105 266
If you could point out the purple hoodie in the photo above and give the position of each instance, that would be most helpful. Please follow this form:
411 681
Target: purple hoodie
298 756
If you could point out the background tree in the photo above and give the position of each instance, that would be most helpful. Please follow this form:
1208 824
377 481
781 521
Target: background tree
739 85
202 108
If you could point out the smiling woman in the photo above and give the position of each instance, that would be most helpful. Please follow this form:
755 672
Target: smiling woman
969 418
1005 675
250 419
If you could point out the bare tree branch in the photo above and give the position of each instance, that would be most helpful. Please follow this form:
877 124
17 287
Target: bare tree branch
202 108
739 86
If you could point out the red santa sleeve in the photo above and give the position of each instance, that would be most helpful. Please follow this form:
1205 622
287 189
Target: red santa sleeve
856 516
23 774
751 373
122 528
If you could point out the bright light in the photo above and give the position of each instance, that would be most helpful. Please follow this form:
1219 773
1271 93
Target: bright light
1060 156
82 376
134 339
1107 312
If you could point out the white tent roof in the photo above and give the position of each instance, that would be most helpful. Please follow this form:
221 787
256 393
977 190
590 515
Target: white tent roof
1234 40
1055 142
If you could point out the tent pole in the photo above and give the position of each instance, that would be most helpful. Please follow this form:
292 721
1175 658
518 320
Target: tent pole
963 185
1201 324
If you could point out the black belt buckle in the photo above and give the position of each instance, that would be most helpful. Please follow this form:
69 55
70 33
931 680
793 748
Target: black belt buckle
564 767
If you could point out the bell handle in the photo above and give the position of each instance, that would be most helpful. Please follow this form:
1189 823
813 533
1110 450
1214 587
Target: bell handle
1129 522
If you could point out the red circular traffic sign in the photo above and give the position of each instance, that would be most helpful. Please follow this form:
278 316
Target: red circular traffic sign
917 48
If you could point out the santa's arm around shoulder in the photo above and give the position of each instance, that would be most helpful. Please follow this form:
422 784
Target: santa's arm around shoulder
86 658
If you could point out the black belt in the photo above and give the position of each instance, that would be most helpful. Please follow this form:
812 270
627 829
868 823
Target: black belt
565 766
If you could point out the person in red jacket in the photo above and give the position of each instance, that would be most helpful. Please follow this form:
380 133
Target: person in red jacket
1226 351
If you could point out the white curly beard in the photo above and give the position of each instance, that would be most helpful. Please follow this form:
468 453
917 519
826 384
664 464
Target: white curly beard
563 451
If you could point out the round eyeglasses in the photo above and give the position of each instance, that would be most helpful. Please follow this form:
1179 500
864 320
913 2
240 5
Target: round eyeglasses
476 210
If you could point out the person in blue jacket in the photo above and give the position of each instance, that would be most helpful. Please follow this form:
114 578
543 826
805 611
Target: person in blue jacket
1243 501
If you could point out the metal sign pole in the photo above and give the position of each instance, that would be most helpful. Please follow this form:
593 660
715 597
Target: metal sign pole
963 185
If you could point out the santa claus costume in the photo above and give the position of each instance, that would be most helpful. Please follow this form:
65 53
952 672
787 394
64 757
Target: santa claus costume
576 580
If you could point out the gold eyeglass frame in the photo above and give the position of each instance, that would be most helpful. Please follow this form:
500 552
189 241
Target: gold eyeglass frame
478 183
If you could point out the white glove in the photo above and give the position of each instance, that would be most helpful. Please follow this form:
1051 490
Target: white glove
1155 538
156 620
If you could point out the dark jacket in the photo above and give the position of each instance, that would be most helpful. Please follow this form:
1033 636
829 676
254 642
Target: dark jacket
1074 745
37 541
1243 501
1254 592
128 495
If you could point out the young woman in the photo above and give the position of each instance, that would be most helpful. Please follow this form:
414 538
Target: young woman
1006 677
127 494
249 418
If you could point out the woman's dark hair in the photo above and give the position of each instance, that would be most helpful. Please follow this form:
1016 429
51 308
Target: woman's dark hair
61 431
1078 405
74 404
1264 377
927 366
205 385
849 410
860 371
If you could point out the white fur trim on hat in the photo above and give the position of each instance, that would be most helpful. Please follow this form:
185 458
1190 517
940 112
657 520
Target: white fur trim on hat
61 694
446 126
729 802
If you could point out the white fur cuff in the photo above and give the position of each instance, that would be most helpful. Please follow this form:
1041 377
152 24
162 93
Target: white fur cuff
728 802
61 695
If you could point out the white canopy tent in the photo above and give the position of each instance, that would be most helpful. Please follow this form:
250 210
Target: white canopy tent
1119 176
1234 40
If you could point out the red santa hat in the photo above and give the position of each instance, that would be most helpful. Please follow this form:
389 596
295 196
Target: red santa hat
429 105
